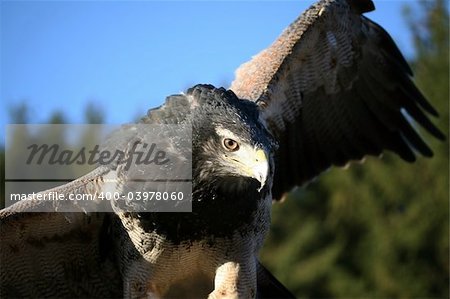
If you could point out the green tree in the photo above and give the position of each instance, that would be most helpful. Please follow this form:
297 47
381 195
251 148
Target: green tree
380 229
93 114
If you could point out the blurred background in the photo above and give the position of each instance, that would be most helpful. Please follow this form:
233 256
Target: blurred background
380 229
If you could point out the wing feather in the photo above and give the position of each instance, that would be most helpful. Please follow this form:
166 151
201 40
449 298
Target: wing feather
54 254
334 88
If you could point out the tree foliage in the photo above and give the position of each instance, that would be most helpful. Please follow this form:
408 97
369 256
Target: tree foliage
19 137
380 229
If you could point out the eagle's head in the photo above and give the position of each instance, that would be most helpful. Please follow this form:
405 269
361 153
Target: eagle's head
232 150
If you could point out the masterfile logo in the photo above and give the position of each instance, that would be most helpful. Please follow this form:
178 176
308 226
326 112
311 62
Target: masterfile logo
138 167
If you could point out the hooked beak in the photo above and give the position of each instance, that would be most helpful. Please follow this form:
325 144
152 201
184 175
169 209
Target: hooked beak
253 162
260 167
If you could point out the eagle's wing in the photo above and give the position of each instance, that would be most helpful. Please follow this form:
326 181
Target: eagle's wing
48 253
269 287
58 255
332 88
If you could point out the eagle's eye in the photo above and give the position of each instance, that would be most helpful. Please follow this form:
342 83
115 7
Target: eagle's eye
230 144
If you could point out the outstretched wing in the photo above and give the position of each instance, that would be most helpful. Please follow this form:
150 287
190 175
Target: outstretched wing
333 88
57 255
46 253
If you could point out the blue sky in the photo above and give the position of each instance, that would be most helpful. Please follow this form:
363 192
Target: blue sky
127 56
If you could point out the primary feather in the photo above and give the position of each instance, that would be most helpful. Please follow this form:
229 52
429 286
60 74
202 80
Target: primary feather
333 88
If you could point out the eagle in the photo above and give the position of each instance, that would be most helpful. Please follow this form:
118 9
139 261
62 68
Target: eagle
333 88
